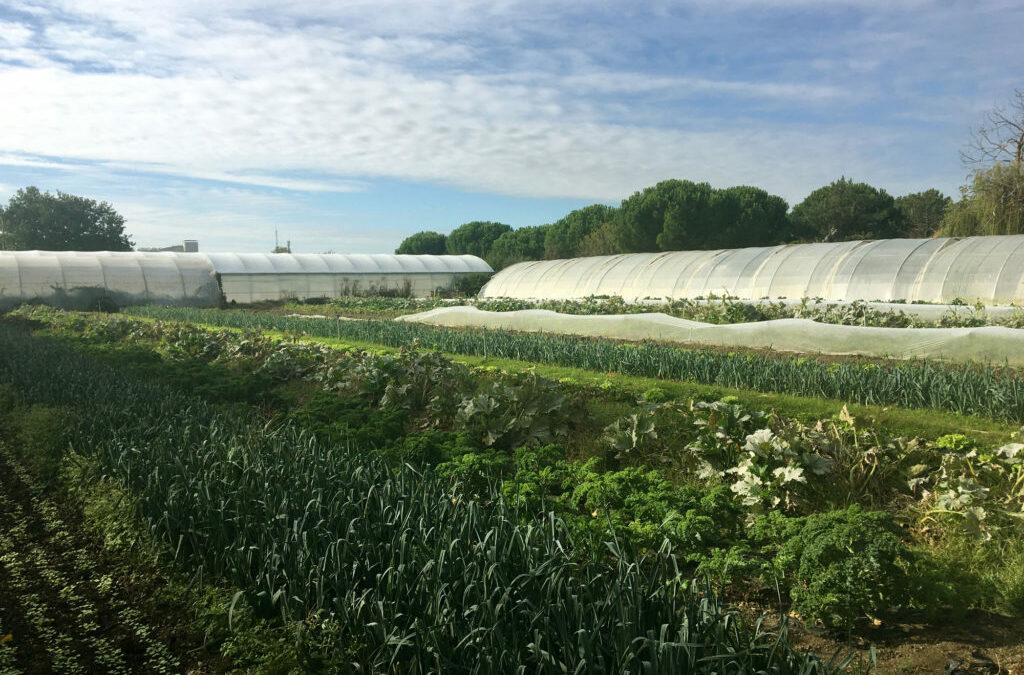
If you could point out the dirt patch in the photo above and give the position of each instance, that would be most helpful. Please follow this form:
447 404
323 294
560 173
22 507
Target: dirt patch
979 643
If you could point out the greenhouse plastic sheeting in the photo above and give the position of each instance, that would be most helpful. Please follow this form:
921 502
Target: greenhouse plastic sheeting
82 279
78 279
254 277
976 269
991 344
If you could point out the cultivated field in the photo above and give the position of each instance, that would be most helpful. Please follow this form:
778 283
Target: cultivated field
372 496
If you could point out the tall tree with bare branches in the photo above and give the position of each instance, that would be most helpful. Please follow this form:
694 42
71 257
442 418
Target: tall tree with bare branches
1000 138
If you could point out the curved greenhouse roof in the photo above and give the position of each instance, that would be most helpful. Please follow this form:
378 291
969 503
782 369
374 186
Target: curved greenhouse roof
81 279
986 269
336 263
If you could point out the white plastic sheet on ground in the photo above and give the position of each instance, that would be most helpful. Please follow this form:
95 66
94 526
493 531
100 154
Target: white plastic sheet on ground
991 344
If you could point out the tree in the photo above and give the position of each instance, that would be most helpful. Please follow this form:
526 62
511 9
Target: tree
1000 138
424 243
755 218
923 212
641 217
475 238
845 210
690 211
702 218
992 204
677 215
525 243
61 222
565 237
602 241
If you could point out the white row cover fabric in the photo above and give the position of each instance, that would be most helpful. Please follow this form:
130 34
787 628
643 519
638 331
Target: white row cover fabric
992 344
976 269
927 312
81 279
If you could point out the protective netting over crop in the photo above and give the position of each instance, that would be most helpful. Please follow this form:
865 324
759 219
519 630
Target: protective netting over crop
82 279
991 344
976 269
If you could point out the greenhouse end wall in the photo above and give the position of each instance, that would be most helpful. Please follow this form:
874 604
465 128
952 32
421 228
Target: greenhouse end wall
973 269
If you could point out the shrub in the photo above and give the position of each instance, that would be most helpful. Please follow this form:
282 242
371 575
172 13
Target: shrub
643 507
336 418
842 564
655 395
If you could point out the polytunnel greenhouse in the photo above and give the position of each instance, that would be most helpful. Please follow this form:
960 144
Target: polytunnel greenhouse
974 269
83 279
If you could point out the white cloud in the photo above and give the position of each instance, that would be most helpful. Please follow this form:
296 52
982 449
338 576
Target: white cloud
14 34
323 97
31 162
464 133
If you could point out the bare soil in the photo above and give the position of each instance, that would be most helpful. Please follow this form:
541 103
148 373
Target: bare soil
979 643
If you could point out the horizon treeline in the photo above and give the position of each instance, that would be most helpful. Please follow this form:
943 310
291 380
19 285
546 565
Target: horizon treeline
677 215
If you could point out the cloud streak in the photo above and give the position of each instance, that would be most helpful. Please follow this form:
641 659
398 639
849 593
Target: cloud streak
538 100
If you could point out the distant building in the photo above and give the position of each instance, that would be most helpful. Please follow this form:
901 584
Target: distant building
187 246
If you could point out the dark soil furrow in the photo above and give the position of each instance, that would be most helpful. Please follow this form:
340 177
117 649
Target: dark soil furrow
59 568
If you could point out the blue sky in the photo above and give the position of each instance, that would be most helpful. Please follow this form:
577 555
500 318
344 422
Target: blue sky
350 125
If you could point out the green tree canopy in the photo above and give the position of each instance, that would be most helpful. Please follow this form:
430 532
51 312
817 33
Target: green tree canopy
602 241
475 238
993 203
846 210
61 222
677 215
424 243
702 218
641 218
565 237
923 212
525 243
753 218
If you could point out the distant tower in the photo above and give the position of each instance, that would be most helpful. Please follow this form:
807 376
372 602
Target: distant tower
277 245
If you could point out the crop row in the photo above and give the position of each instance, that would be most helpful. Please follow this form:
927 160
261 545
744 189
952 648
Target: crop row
60 596
383 567
966 389
716 310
